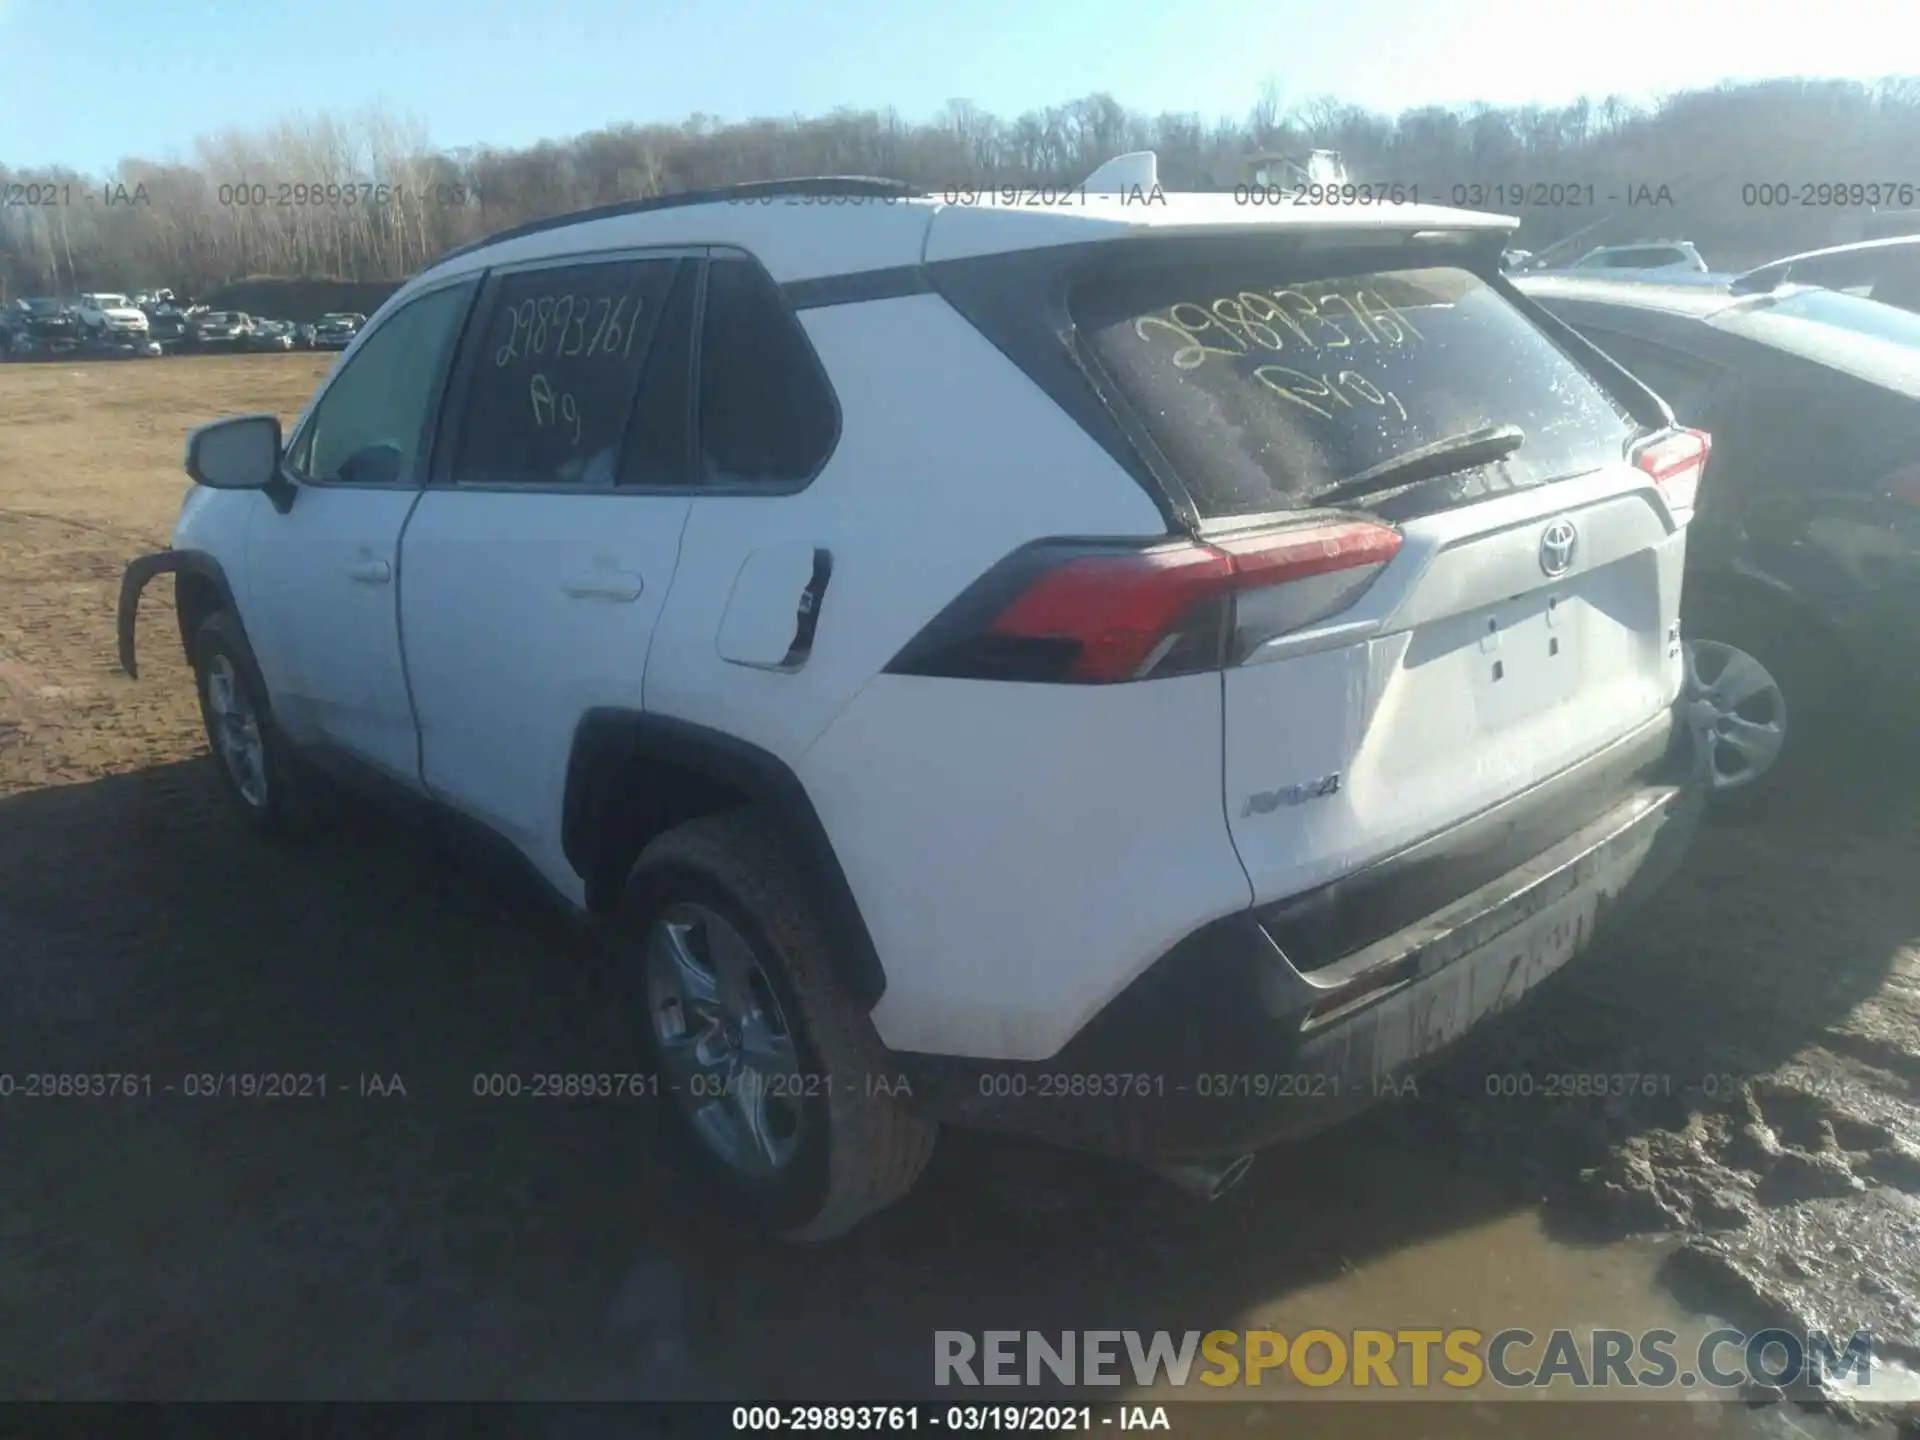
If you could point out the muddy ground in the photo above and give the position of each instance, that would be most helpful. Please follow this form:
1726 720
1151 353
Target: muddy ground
433 1244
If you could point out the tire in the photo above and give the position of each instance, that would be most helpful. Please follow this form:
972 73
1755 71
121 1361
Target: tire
1813 681
854 1142
277 800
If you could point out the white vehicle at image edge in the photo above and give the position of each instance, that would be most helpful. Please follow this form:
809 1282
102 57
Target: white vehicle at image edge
1670 261
105 313
1149 675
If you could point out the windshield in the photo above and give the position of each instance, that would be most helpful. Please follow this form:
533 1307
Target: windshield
110 302
1262 387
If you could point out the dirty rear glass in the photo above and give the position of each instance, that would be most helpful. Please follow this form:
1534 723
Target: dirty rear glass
1261 388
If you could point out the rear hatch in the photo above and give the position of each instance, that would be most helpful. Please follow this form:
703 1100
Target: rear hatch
1498 603
1430 541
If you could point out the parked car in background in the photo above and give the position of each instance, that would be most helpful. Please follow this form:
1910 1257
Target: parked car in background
336 332
1655 260
104 312
122 345
44 327
222 330
303 336
1883 270
1802 600
1349 727
270 335
171 329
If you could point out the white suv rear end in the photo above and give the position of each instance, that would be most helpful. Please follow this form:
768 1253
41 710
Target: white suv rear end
1438 702
1141 671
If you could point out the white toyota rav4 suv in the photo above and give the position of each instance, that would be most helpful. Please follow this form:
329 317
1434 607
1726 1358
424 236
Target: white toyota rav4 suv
1143 671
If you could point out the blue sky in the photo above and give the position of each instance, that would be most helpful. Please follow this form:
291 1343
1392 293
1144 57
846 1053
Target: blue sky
509 72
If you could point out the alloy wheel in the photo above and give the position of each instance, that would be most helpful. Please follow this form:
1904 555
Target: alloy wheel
1737 714
725 1047
236 731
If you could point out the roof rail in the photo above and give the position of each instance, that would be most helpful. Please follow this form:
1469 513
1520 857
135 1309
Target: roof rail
870 186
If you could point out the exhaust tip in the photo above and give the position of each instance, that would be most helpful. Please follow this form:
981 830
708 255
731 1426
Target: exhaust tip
1209 1180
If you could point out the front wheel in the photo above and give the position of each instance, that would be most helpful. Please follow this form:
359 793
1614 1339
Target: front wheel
1763 695
782 1082
1739 721
257 764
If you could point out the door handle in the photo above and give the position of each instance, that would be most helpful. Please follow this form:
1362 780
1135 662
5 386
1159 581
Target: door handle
623 585
370 572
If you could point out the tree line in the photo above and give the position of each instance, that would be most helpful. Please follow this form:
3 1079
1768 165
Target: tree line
1746 171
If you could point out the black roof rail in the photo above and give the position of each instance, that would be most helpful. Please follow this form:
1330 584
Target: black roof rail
870 186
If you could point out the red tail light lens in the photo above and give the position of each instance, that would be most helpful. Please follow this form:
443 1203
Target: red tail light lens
1119 613
1676 460
1086 613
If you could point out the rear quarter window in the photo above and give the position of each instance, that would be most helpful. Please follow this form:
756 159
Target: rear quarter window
1261 387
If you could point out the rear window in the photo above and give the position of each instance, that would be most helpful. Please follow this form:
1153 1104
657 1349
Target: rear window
1632 259
1262 388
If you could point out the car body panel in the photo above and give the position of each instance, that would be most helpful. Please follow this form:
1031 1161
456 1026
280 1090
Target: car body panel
1786 398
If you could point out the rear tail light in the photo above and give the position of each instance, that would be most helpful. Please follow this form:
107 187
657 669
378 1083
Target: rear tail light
1095 614
1676 461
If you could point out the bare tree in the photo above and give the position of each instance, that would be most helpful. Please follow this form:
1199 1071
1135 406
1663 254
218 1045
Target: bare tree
368 197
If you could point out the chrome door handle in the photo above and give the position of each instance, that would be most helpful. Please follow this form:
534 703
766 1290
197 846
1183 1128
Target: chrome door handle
370 572
622 585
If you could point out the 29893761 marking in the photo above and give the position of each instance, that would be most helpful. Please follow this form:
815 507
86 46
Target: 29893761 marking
555 1085
1069 1085
808 1418
65 1085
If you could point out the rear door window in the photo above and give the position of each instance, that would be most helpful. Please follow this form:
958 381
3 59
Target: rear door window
1262 388
556 371
1808 431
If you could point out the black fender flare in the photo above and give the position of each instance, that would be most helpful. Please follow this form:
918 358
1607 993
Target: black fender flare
608 740
164 562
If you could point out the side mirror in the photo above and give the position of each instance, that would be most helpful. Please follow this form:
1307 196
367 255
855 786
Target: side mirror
238 454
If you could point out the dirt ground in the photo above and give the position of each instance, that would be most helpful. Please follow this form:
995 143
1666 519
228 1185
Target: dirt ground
432 1244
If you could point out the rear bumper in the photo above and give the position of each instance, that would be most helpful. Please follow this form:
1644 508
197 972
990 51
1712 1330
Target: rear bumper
1224 1046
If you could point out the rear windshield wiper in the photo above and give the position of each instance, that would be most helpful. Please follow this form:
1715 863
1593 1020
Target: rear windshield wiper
1449 456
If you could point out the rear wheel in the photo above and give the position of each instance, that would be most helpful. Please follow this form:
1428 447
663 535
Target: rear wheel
783 1083
1763 693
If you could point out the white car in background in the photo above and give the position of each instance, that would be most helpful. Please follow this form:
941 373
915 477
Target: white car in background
104 313
1664 260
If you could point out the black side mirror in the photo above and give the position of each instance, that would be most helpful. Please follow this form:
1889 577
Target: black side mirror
238 454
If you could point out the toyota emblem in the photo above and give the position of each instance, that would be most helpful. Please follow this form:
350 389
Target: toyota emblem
1557 545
